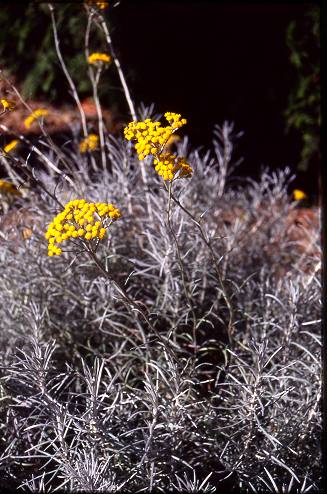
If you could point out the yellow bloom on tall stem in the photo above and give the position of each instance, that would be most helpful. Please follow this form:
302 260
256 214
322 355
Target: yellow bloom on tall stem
96 58
98 3
151 138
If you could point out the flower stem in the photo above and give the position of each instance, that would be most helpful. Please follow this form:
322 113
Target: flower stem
216 264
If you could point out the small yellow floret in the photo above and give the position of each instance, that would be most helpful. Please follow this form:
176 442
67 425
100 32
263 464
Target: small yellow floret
299 195
97 3
7 104
102 233
40 112
11 145
90 143
96 58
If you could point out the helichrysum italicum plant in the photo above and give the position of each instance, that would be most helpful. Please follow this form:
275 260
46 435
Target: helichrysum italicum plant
116 373
129 405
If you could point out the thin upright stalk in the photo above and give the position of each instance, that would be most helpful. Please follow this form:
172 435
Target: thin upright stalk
105 29
215 262
129 100
95 81
70 82
65 70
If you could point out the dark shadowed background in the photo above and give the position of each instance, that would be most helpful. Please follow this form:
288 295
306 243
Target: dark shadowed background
214 61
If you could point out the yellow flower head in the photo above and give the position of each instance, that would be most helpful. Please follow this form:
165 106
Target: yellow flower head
40 112
8 188
80 219
299 195
97 3
90 143
96 58
151 138
8 105
11 145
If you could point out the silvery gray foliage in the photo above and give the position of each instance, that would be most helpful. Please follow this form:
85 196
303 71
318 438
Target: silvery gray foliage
91 400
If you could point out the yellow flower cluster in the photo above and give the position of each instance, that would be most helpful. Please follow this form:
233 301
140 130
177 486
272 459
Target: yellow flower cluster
95 58
11 145
40 112
151 139
8 105
80 219
90 143
168 166
8 188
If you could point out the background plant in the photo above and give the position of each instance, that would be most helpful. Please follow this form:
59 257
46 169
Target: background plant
303 112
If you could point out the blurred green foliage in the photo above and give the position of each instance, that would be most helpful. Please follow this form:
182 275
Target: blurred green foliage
303 112
27 49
